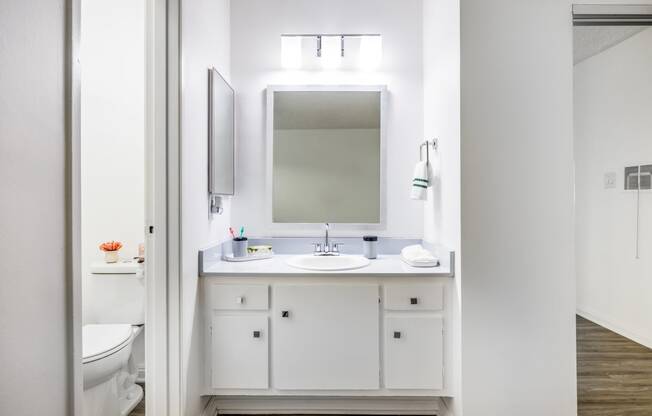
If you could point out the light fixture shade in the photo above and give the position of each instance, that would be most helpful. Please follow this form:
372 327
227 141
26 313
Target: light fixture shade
291 52
371 52
331 52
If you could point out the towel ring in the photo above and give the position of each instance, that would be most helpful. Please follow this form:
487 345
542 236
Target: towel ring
427 144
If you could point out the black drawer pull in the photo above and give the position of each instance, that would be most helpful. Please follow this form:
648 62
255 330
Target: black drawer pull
397 334
414 301
285 314
256 334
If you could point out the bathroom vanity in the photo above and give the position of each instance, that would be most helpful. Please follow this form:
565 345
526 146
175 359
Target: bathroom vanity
273 330
331 331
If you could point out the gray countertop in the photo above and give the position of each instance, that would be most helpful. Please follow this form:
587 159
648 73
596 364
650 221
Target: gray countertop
276 266
389 264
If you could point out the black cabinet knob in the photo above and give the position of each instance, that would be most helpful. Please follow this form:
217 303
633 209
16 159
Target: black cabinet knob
256 334
414 301
285 314
397 334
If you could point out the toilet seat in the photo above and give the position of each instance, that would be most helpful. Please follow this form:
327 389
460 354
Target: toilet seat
102 340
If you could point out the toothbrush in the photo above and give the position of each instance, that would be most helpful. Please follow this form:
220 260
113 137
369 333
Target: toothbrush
232 232
242 231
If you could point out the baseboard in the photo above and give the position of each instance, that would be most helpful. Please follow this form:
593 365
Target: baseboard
219 405
612 326
211 408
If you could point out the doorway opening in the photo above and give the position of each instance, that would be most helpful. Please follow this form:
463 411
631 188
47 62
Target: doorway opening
113 275
121 95
613 167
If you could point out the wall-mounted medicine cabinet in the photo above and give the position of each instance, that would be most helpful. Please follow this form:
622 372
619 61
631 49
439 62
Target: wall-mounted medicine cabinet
221 135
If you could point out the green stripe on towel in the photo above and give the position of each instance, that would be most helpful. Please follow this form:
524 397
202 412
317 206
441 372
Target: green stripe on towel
419 185
420 180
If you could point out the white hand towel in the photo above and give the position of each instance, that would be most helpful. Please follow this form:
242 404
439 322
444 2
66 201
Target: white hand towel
420 181
417 254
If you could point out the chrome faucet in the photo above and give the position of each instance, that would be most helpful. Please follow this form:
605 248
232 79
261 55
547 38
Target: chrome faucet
329 249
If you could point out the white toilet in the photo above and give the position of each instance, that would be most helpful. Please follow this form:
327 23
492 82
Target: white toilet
116 301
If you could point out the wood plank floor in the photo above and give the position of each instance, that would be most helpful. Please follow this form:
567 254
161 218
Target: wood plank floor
614 374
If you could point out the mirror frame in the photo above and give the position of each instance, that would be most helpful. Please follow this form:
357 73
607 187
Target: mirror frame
212 165
278 227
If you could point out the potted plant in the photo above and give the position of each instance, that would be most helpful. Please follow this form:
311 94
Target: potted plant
111 249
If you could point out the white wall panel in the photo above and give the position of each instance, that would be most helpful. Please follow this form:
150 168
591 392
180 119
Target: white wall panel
34 352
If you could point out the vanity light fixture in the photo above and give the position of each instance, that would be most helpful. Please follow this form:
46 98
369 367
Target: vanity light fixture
329 49
291 52
371 50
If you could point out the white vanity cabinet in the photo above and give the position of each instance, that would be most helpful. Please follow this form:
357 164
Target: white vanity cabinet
239 336
239 353
329 336
326 337
414 341
414 352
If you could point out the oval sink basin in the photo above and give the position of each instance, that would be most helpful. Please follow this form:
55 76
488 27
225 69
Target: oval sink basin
328 263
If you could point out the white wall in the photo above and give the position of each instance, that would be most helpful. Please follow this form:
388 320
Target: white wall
441 84
256 63
205 43
613 103
518 309
441 79
34 354
112 131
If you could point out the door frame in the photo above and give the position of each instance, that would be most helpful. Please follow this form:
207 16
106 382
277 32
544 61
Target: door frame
613 14
162 230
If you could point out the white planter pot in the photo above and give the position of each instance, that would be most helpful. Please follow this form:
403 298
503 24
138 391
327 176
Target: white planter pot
111 256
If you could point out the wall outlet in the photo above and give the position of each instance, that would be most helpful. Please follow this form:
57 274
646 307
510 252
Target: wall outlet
609 180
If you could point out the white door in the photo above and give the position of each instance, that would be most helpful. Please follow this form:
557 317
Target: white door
240 352
326 337
414 353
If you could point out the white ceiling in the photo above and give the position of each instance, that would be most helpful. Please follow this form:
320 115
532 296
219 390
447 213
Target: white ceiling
591 40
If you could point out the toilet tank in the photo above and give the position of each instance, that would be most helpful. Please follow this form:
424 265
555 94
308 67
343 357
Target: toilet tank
116 293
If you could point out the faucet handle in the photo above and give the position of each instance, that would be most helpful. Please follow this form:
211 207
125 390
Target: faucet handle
316 247
336 247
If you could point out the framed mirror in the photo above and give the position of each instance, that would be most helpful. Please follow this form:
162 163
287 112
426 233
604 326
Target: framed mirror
325 154
221 135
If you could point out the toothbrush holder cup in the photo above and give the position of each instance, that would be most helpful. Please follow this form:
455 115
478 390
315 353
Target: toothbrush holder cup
240 246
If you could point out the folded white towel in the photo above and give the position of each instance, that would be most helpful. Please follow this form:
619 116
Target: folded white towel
418 254
420 181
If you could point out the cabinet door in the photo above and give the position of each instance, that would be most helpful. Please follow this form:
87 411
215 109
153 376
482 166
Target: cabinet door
326 337
240 352
414 353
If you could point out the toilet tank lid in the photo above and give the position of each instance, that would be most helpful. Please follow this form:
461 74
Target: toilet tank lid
100 338
121 267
